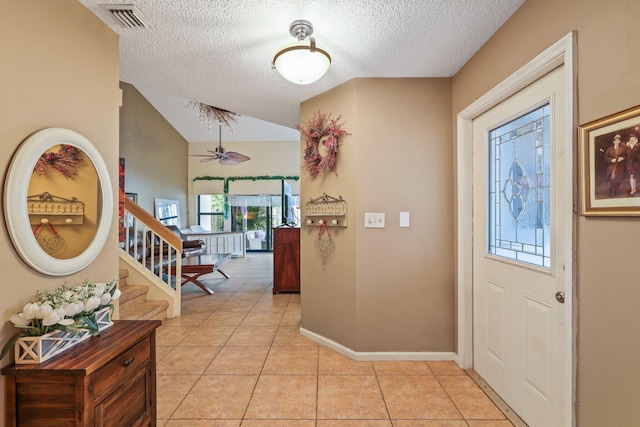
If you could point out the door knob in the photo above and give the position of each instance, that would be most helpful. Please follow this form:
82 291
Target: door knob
560 297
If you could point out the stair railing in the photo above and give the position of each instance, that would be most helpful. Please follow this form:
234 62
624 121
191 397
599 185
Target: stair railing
154 252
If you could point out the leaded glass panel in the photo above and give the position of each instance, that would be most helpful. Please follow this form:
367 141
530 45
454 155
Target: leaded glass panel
519 189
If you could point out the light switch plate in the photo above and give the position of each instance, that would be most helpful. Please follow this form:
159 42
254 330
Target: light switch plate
405 219
374 220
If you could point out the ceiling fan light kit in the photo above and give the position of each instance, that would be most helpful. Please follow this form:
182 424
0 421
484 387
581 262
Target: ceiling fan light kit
302 62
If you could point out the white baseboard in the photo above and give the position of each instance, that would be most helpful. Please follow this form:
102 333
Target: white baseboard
429 356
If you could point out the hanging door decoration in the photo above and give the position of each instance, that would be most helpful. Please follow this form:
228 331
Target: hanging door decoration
49 243
324 245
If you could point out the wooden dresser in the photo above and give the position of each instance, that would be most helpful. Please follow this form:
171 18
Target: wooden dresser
108 380
286 259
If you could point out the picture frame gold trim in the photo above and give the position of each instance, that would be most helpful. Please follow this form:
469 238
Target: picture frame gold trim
606 188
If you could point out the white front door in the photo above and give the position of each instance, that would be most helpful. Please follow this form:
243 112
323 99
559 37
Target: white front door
520 206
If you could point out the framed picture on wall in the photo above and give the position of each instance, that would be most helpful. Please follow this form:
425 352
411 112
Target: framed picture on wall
610 165
132 196
168 212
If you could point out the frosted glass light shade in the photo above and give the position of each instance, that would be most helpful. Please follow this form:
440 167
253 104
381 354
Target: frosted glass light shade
298 63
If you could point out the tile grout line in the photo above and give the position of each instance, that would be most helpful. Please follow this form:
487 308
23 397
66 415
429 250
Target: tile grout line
205 369
386 407
497 400
244 413
462 417
221 347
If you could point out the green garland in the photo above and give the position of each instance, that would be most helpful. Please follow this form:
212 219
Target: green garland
229 179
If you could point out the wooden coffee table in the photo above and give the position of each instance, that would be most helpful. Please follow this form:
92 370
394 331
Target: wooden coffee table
195 266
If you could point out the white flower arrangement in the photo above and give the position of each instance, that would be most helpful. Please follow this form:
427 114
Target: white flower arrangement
69 308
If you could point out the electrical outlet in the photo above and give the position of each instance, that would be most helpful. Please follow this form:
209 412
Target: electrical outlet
374 220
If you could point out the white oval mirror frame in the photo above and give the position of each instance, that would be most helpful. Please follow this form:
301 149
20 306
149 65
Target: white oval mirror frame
15 202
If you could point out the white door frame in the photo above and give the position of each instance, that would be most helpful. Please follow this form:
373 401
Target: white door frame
562 52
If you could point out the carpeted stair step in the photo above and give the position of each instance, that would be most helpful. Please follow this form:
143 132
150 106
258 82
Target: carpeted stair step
122 275
133 294
134 304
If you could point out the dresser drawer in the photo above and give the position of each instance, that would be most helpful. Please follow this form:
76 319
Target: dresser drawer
122 369
130 406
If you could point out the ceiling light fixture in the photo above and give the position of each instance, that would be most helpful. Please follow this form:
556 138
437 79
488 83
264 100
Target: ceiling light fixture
302 62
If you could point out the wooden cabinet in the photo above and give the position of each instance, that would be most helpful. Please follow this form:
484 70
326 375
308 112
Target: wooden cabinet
286 259
108 380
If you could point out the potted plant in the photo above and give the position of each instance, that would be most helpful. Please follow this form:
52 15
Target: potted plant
57 320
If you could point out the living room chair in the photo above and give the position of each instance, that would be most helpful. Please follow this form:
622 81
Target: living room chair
189 247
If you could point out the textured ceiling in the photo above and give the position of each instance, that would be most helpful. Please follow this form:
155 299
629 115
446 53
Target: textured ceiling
219 52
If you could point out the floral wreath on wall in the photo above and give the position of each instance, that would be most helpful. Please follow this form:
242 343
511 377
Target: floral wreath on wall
321 129
65 161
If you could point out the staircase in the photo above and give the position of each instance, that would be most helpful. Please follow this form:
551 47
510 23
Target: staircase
134 304
147 245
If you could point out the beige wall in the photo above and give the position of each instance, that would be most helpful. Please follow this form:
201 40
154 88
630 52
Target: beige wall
328 295
59 69
386 289
405 281
607 284
155 154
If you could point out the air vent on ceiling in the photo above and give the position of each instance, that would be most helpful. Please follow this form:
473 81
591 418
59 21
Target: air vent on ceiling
127 15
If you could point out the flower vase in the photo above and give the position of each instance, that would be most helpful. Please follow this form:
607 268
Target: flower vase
32 350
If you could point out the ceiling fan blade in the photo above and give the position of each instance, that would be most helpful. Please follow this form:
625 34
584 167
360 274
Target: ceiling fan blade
208 157
237 156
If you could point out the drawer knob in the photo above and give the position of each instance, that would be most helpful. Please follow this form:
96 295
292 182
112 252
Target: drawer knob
129 362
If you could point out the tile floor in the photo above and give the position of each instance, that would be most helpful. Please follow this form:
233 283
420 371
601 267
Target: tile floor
236 358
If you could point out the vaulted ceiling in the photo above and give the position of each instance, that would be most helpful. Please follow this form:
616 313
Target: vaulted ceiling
220 52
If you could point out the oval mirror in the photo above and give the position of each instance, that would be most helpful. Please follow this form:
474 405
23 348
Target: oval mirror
58 234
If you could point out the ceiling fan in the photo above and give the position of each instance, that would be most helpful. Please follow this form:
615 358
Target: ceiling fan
223 156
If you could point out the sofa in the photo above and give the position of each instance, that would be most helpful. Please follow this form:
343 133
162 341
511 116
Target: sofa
255 239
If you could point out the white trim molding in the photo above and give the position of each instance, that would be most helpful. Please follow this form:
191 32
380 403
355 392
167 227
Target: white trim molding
562 52
378 355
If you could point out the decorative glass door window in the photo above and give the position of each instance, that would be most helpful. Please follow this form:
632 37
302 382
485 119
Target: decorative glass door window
519 189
